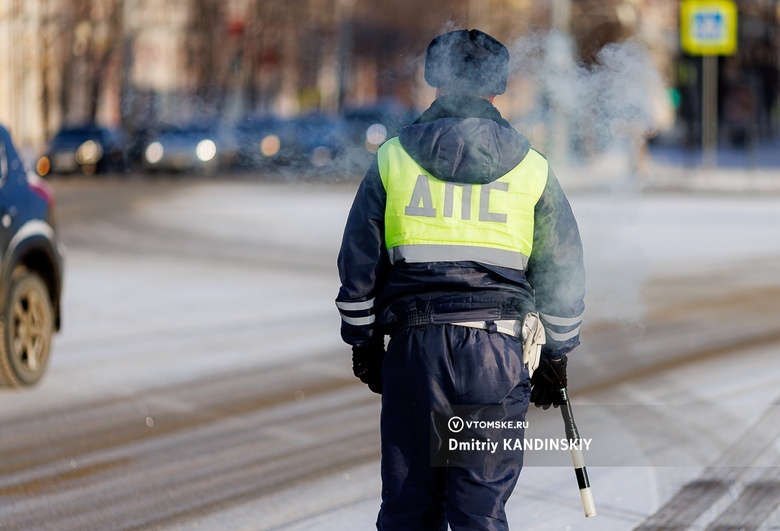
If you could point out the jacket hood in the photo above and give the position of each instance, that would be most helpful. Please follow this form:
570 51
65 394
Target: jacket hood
464 139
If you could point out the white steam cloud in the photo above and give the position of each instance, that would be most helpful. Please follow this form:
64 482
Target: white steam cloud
596 119
606 109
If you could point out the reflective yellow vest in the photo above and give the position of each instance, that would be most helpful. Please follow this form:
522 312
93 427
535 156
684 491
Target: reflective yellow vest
430 220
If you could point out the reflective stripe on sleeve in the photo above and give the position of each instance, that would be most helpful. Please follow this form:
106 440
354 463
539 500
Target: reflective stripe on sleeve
562 337
355 306
561 321
358 321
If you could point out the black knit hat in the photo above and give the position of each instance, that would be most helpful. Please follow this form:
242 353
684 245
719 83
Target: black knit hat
467 61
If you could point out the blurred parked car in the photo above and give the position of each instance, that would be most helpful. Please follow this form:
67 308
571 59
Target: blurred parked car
86 149
263 141
367 128
303 142
195 147
320 140
31 267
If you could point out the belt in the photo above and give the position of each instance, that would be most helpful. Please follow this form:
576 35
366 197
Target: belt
531 327
512 327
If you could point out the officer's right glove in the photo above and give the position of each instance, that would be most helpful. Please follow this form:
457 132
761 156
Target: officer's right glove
367 363
548 379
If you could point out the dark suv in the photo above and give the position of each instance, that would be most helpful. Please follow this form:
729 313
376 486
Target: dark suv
30 270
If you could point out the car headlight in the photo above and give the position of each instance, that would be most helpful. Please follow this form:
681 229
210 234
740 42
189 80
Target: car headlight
154 152
89 152
270 146
206 150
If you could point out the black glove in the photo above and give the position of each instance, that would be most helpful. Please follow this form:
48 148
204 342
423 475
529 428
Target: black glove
367 364
548 379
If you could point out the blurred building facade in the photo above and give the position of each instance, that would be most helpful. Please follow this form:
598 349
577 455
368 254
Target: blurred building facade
21 84
133 62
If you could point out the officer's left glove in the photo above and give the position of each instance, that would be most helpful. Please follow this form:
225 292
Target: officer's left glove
367 363
548 379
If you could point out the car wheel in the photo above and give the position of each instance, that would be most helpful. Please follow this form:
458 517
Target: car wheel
26 327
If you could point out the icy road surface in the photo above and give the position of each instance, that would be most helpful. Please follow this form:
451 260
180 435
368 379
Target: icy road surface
199 380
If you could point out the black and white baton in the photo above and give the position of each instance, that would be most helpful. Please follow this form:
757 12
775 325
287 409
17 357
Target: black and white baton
576 455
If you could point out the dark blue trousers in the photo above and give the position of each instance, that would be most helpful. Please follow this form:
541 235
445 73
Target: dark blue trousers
428 371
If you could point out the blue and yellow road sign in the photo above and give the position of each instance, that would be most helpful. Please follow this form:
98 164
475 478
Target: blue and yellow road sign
708 27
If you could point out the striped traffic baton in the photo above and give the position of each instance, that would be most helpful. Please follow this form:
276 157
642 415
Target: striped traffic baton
576 455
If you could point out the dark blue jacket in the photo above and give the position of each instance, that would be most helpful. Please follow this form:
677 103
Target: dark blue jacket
461 139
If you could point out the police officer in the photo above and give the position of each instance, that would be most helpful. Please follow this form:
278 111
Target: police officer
458 231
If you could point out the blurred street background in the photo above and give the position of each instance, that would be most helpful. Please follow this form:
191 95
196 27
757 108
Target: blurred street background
204 155
301 82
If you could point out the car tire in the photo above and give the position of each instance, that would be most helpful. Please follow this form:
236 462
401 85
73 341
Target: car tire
26 327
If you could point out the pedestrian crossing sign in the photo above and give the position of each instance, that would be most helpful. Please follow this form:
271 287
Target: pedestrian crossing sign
708 27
